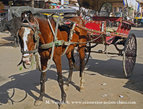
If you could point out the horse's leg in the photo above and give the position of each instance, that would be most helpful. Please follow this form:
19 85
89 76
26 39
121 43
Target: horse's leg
72 57
71 66
57 60
42 82
82 65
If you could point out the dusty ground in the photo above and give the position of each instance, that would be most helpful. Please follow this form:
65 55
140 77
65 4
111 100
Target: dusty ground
105 85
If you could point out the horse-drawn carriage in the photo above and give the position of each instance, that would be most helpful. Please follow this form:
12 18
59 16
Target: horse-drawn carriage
59 34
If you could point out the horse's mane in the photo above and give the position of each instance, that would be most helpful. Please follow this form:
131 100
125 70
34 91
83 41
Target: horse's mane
39 15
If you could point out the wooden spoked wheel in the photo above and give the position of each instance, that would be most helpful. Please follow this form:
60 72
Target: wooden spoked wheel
129 55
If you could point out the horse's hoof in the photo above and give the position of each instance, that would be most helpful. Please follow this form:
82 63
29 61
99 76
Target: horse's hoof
38 102
81 88
62 106
66 87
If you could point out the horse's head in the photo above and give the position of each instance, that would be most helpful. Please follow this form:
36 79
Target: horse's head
28 37
27 16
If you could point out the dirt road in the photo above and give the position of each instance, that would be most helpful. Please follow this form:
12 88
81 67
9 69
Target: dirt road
105 85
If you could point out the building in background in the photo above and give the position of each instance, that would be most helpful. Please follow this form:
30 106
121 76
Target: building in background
139 16
117 8
1 7
36 3
52 4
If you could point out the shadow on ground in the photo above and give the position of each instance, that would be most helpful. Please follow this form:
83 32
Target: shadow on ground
138 33
7 41
113 68
27 82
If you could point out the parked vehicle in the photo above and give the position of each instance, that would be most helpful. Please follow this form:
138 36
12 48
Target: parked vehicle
139 19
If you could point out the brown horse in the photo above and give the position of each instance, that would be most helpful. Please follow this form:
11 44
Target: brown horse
35 28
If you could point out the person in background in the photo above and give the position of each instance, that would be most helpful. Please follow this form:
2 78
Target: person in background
51 4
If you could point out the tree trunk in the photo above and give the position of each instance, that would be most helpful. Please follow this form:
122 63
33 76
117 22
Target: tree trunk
32 3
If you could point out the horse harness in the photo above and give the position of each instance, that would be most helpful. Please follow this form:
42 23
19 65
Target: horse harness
52 45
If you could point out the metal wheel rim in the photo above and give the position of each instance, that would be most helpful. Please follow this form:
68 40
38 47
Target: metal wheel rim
129 55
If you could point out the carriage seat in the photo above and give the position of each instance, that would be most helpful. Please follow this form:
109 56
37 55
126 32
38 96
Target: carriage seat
99 26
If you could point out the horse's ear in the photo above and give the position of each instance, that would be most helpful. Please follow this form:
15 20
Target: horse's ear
22 16
31 17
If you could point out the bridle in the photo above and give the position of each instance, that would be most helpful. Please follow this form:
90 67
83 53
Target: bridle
35 29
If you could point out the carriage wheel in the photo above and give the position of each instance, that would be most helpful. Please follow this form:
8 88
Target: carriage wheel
76 56
129 55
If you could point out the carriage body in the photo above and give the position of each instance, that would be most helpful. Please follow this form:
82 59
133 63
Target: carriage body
102 25
101 32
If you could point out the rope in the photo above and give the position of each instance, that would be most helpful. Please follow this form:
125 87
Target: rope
70 38
49 65
86 41
53 47
106 33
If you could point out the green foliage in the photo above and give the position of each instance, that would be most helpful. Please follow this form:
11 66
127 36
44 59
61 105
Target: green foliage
20 68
